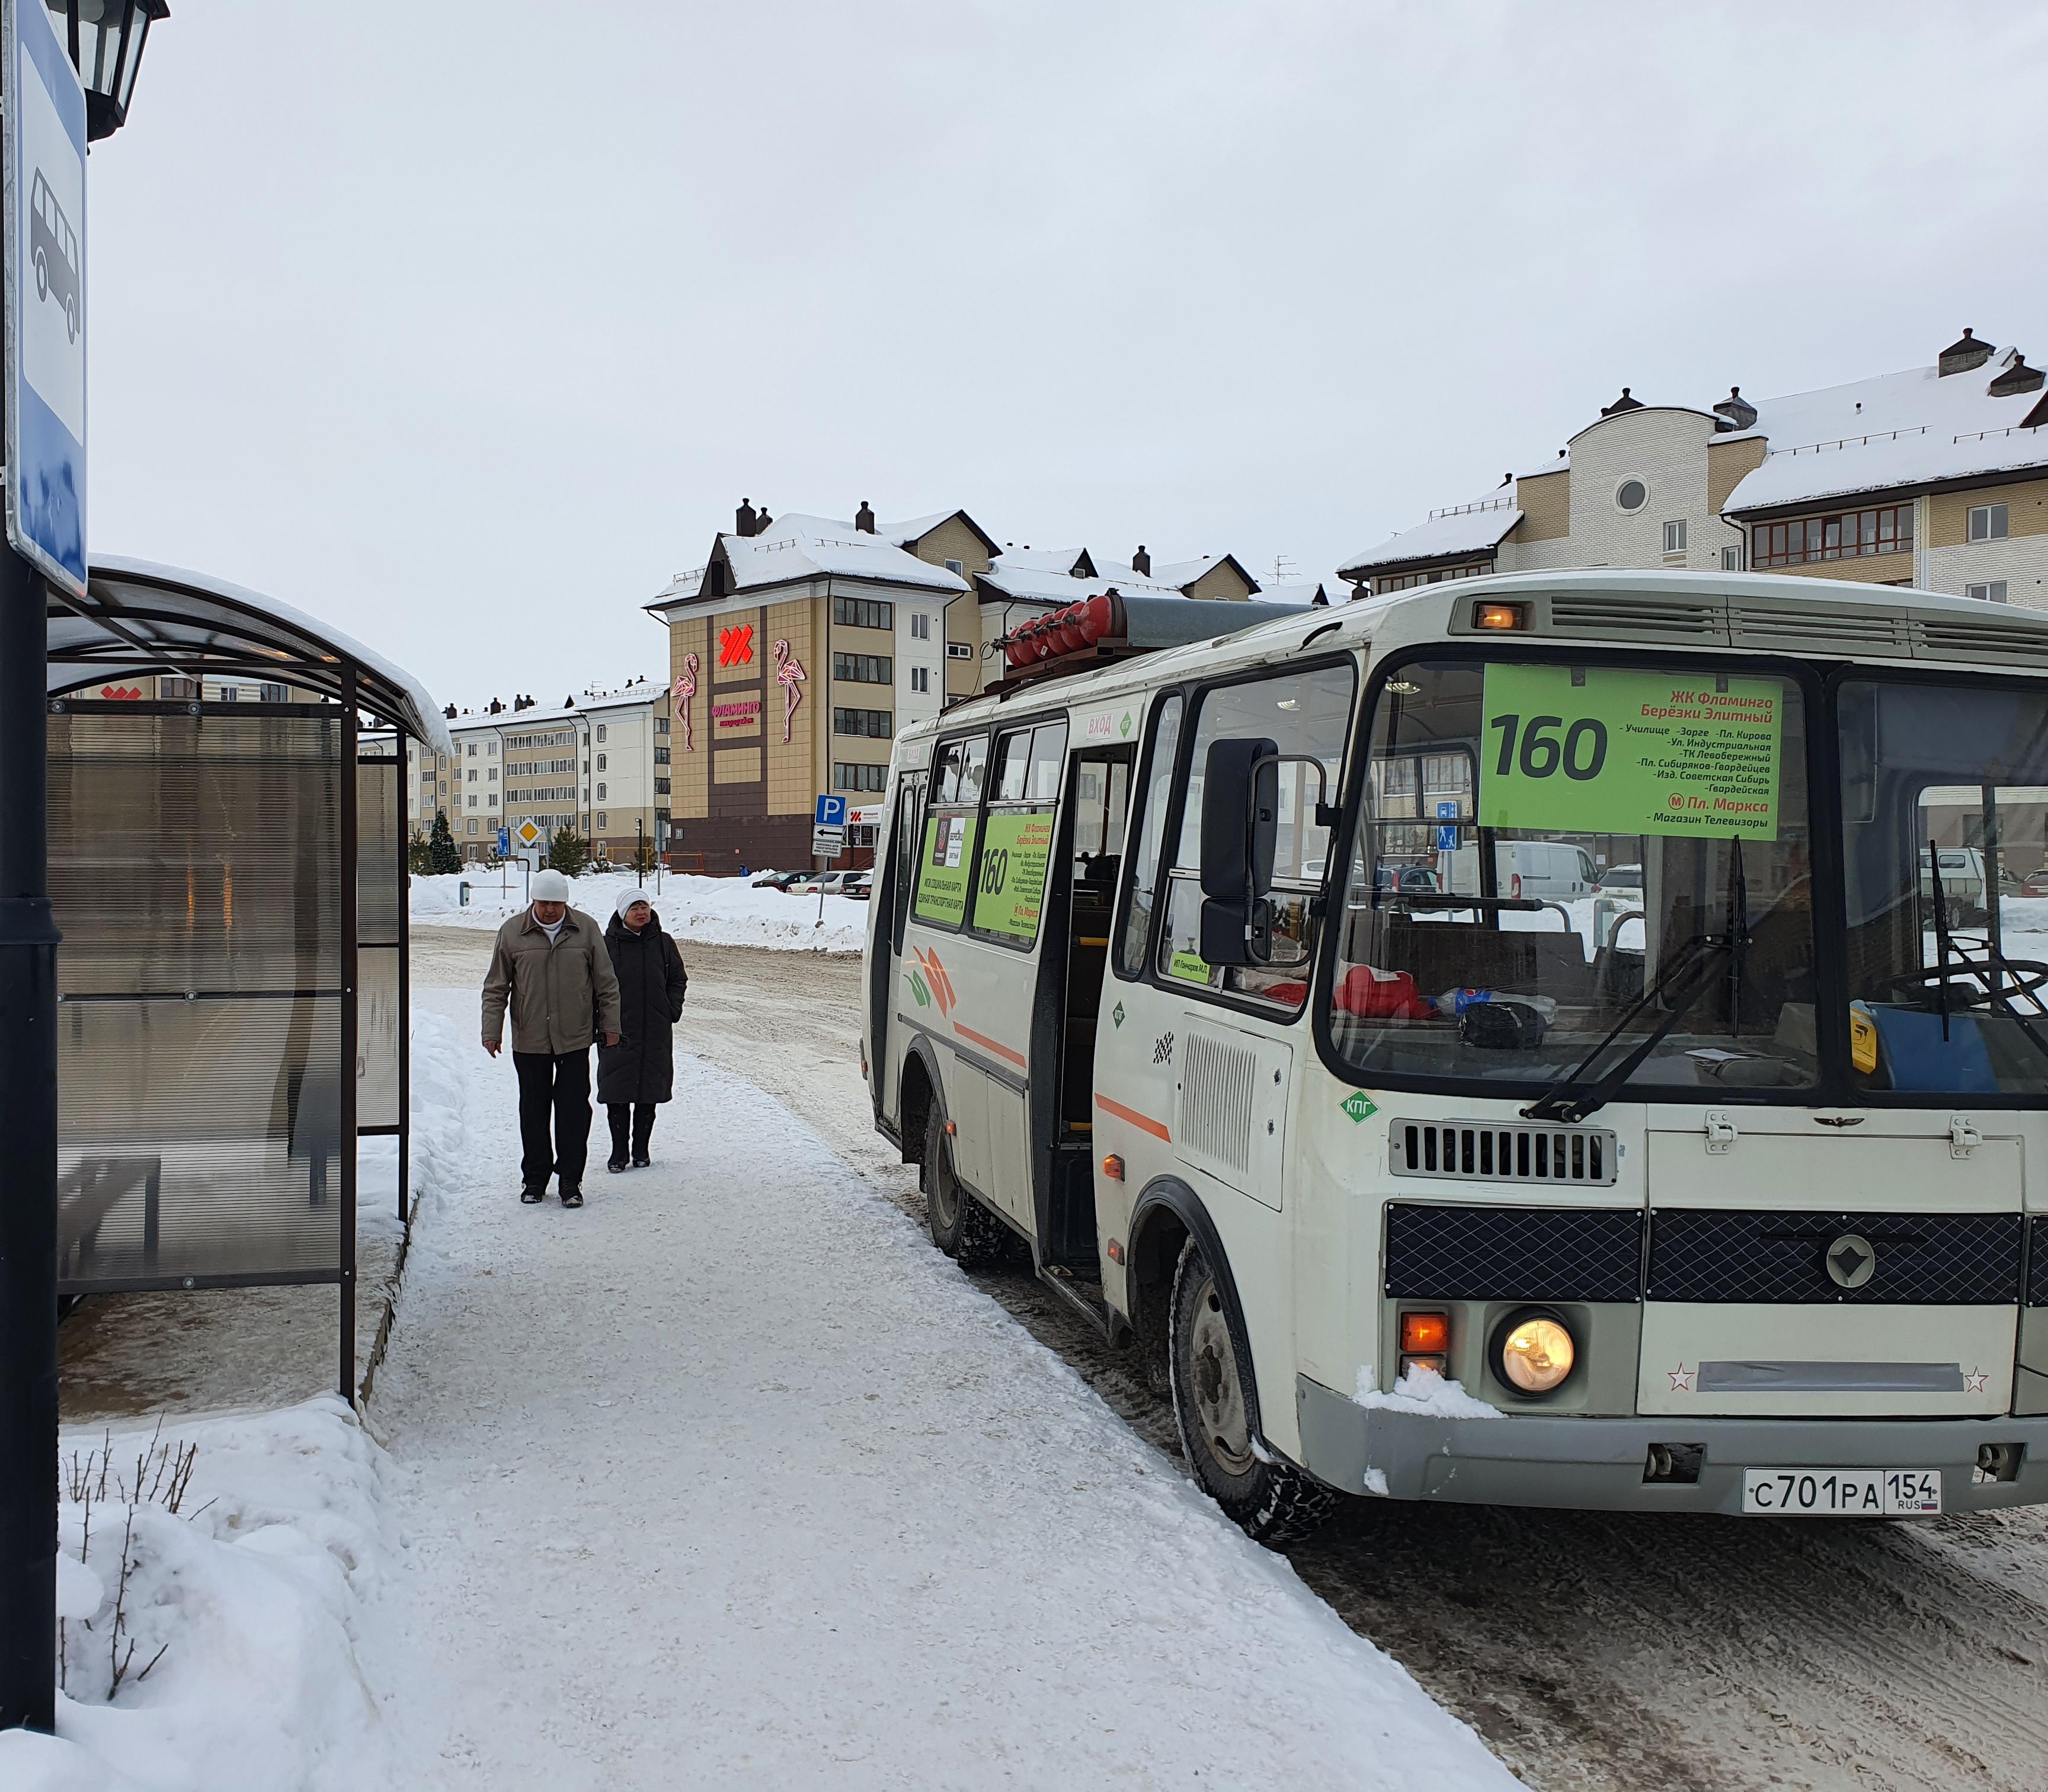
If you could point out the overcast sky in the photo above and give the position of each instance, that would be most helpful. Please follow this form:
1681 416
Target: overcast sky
464 328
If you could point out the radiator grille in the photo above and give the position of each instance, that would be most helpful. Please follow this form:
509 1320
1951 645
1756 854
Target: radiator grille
1513 1252
1582 1156
1217 1085
1923 1260
2037 1262
1961 638
1841 627
1677 619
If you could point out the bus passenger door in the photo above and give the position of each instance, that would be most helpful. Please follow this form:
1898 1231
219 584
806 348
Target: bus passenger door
893 883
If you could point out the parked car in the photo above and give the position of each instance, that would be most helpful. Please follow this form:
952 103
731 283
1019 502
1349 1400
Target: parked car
782 880
1963 884
1410 880
1521 868
860 886
1621 880
2035 883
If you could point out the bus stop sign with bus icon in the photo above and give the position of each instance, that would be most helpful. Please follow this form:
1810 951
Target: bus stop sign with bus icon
44 180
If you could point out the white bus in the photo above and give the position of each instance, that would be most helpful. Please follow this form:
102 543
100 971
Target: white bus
1714 1195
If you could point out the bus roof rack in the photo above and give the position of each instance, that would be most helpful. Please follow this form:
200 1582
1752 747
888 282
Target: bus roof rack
1109 626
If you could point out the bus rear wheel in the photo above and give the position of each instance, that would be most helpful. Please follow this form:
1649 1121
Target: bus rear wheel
961 1226
1215 1405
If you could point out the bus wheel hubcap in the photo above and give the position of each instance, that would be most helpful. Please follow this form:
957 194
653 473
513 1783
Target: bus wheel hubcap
1219 1394
944 1196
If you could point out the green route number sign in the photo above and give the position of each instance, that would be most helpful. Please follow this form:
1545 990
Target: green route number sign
1594 750
1016 852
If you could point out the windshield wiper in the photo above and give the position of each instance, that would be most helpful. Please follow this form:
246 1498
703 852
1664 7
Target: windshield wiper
1681 982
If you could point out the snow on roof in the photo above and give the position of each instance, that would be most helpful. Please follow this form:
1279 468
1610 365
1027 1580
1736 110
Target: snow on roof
903 534
1043 559
801 547
1897 429
418 714
1476 528
1182 573
1035 584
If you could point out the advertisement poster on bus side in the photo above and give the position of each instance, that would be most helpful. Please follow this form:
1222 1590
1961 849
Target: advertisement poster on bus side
1016 852
942 870
1599 749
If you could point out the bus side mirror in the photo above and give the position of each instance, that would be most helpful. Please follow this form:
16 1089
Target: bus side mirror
1241 834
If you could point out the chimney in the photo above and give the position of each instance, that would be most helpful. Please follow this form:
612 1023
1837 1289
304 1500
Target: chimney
744 520
1961 355
760 526
1736 412
863 518
1141 562
1623 403
447 715
2017 378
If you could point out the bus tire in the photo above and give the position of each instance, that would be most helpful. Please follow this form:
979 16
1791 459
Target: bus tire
961 1226
1215 1405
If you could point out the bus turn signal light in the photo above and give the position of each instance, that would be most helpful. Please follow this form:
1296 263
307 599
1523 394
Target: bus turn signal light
1112 1167
1425 1330
1494 617
1116 1250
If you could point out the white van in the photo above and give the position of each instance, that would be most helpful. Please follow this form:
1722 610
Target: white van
1521 868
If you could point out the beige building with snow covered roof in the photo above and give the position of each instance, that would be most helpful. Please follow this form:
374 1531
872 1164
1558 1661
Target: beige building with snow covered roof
1936 478
1027 582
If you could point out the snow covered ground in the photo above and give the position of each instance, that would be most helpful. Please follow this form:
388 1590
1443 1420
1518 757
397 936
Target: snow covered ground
720 911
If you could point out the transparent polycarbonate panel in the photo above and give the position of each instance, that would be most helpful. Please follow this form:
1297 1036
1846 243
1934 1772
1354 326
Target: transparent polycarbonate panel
380 863
200 1138
378 1019
196 853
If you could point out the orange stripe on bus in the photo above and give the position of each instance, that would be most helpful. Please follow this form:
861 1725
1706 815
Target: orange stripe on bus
1136 1118
1017 1058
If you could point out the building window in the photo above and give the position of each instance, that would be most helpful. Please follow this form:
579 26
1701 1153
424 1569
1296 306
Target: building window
273 694
1674 537
959 650
231 693
491 747
472 774
491 802
960 571
660 755
172 689
600 797
861 835
1630 495
1992 592
920 626
472 754
600 731
662 788
1987 522
491 776
1404 581
1732 562
873 722
1845 536
600 762
859 777
863 612
472 802
862 668
661 727
472 829
601 825
920 678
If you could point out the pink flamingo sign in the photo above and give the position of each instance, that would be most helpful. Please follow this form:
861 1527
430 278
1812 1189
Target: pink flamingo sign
788 674
685 690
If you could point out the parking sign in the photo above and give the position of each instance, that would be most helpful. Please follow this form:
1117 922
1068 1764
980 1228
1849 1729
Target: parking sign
42 177
831 812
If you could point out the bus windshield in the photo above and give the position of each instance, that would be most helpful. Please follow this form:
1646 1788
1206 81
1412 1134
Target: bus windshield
1945 785
1549 855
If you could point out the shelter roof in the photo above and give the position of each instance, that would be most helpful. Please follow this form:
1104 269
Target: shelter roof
139 620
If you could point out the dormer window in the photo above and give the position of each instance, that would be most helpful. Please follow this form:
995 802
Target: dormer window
1988 522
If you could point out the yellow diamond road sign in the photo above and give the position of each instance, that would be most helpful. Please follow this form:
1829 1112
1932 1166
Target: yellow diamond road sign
527 834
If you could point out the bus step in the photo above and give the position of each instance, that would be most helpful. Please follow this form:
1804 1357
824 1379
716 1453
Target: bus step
1084 1294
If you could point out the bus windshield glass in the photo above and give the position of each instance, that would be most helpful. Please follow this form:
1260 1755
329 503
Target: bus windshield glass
1550 856
1947 784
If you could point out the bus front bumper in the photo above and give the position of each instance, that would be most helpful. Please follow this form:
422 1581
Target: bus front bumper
1599 1464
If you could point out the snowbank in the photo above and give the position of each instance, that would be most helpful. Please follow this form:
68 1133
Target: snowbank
1422 1390
249 1591
718 911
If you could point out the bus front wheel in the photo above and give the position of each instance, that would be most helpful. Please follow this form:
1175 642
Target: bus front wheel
961 1226
1214 1404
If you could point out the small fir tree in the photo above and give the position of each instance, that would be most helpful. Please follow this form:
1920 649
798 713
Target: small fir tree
441 844
568 852
419 854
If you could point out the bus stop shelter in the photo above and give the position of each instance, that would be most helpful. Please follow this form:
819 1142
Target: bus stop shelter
230 880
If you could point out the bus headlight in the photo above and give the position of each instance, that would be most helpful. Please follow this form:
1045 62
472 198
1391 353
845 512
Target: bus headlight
1533 1353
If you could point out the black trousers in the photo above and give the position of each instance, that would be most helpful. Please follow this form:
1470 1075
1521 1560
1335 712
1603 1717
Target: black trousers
640 1116
557 1088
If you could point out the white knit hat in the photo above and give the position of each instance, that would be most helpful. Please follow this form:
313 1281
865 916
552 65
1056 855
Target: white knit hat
628 897
549 886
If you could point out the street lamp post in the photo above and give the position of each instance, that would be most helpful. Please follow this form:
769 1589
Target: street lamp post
105 39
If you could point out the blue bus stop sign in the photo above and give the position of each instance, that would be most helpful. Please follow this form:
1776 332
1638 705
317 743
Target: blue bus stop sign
831 812
43 179
504 842
1447 838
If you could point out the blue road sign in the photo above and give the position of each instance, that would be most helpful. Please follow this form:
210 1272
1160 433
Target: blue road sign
44 182
1447 838
831 812
504 842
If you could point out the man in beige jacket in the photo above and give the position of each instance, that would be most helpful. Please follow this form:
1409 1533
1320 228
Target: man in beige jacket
550 966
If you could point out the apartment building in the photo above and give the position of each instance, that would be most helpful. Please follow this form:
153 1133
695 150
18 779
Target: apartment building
1936 477
796 652
599 765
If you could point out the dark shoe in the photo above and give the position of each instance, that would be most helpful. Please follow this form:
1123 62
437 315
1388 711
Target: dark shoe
641 1160
572 1197
533 1197
616 1163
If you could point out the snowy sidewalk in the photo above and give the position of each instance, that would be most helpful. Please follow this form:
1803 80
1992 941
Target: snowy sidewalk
731 1480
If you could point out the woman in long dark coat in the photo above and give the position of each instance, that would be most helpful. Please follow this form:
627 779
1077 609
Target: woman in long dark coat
640 1071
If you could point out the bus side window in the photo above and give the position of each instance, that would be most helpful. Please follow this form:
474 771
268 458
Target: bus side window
952 819
1142 874
909 831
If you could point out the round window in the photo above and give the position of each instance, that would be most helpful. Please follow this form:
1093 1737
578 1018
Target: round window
1631 495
